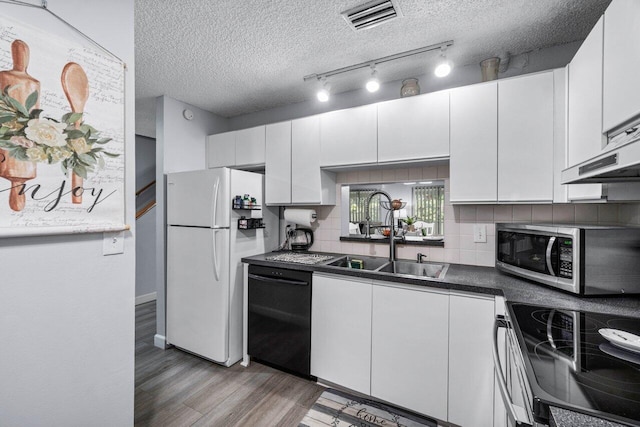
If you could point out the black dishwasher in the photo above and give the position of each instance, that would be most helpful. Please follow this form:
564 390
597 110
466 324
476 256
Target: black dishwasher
279 318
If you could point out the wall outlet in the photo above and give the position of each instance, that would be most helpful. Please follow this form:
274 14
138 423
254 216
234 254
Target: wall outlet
113 242
480 233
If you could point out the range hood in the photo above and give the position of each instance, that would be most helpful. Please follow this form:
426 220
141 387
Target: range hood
619 162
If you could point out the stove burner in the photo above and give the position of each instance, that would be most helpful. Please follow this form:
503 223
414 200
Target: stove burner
591 326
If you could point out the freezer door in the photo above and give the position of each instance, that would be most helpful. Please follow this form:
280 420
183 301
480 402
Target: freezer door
199 198
198 291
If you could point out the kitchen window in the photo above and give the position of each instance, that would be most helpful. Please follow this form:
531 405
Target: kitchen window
421 219
428 206
357 205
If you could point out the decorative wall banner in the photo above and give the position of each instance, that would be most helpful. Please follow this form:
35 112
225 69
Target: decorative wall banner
61 134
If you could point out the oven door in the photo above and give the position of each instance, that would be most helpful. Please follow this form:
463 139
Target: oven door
511 376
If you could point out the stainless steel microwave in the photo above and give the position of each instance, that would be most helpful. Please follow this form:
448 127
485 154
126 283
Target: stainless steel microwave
583 259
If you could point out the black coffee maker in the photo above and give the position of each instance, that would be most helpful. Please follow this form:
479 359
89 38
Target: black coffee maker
300 239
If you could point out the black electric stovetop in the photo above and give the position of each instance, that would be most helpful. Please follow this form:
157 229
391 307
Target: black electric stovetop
570 364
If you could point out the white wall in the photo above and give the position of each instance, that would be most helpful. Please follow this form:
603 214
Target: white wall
180 146
66 311
538 60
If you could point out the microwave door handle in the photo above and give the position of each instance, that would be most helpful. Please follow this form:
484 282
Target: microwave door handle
516 413
552 241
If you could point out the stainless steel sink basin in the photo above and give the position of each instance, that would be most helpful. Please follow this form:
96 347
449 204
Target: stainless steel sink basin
420 270
368 263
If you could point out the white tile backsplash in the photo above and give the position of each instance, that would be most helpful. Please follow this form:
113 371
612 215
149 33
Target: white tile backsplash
522 213
460 219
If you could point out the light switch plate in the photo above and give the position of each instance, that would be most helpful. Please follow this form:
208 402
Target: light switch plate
113 243
480 233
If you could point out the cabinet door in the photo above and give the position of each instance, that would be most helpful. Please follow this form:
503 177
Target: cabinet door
349 137
277 186
471 376
525 138
341 331
621 62
585 139
221 150
250 146
410 349
474 143
305 161
414 128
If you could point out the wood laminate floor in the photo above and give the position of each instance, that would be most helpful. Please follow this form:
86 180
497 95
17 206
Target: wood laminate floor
174 388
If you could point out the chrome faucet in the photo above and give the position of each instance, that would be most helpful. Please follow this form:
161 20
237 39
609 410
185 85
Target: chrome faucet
420 257
367 234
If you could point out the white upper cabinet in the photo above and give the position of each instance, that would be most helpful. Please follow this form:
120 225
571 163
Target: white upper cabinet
349 137
474 143
621 63
414 128
221 150
525 138
278 164
292 165
585 139
341 331
309 184
410 348
250 144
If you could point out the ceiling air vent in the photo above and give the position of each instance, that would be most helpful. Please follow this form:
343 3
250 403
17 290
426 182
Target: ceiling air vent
371 14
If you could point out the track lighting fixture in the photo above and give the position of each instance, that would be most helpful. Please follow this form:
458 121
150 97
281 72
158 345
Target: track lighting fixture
444 66
373 84
323 93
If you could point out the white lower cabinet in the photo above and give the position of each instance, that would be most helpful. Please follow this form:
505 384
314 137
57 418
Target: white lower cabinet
341 331
424 349
471 373
409 348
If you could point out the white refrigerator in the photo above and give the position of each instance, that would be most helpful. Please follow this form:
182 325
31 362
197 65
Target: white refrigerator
204 248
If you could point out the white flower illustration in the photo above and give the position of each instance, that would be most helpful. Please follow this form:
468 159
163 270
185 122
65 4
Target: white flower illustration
36 154
46 132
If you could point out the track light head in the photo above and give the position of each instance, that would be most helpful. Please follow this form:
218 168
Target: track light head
323 93
444 66
373 84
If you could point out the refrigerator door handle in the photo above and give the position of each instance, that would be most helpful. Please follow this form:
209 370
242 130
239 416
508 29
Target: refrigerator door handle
214 202
216 267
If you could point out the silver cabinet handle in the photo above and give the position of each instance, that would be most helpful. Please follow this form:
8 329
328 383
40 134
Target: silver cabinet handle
516 413
552 240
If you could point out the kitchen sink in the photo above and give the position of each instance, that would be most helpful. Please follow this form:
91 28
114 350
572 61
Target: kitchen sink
412 268
368 263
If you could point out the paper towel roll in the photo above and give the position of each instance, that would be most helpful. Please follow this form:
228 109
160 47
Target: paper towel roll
302 217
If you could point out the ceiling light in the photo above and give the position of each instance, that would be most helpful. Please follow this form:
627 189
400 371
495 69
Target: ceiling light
444 66
323 93
373 84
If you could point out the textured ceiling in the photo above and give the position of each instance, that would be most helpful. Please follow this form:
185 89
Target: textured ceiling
234 57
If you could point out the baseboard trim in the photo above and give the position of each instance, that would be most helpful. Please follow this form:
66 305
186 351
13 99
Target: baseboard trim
160 341
146 298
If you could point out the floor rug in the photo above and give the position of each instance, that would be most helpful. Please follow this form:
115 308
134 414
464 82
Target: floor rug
338 409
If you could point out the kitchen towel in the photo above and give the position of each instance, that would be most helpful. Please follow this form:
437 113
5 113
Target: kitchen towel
302 217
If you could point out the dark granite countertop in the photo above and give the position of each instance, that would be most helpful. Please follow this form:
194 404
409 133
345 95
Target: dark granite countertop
481 280
489 281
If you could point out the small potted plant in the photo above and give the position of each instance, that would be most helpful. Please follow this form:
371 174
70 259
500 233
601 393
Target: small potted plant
410 221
